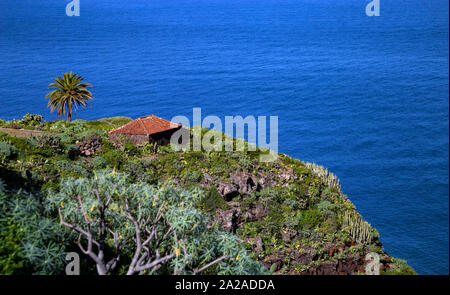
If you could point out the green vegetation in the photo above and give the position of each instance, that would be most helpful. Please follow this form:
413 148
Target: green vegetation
224 208
135 225
29 121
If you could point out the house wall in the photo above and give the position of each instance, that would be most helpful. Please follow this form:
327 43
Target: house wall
128 138
161 138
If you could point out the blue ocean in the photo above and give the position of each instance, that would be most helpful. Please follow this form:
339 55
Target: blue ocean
366 97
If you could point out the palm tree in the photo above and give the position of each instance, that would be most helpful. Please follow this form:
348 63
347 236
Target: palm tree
70 93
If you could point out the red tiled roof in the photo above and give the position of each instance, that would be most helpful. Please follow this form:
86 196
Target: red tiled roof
146 126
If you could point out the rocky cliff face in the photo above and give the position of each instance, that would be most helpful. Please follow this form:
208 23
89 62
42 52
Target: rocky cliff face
296 220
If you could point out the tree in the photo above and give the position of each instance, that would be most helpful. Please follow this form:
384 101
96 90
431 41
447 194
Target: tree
145 229
31 241
70 93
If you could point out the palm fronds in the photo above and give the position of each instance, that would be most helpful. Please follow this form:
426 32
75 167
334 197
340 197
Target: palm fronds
70 92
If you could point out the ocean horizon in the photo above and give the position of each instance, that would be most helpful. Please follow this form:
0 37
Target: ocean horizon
366 97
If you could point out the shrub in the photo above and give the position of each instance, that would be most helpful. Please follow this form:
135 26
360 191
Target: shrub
327 208
32 120
10 250
73 151
177 238
192 176
401 268
113 157
138 172
132 150
212 201
24 144
50 142
3 136
298 193
309 219
99 162
32 242
134 169
29 121
7 151
66 167
98 125
68 138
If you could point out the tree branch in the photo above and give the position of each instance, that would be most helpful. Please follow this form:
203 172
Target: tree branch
196 271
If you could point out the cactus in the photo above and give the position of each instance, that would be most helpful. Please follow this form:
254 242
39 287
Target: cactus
327 177
359 229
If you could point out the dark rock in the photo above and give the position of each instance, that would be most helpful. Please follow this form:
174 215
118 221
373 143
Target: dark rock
260 211
347 266
246 183
259 245
90 145
327 268
227 190
274 259
240 183
286 235
229 218
257 213
305 258
266 179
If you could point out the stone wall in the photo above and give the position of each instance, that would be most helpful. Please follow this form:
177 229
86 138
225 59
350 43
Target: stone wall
161 138
128 138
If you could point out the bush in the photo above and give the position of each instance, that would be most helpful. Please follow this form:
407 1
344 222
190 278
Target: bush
32 120
114 158
309 219
192 176
132 150
32 241
29 121
138 172
97 125
26 145
50 142
10 250
99 162
327 208
182 238
7 151
212 201
401 268
67 168
73 151
92 138
68 138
